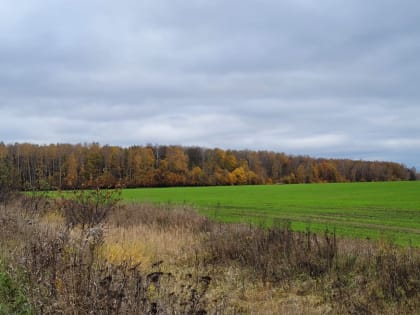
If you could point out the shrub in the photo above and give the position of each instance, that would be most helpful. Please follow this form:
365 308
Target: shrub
273 254
88 208
13 299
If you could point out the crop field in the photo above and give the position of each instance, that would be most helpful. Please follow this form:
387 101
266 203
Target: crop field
381 210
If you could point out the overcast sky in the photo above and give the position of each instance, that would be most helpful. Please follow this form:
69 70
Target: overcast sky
325 78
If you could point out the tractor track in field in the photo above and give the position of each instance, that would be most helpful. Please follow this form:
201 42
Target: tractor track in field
330 221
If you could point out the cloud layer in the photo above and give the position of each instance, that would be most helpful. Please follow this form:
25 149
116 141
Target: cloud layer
323 78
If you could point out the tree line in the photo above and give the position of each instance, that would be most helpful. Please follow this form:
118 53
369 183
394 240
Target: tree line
27 166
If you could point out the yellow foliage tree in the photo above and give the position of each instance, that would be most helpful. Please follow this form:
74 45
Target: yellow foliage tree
240 176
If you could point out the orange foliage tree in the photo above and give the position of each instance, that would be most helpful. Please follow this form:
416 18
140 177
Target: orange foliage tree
66 166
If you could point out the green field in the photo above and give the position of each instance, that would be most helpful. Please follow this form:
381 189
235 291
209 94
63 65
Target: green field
389 210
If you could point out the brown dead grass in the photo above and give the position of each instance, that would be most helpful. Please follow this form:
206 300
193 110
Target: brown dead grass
150 234
148 244
182 263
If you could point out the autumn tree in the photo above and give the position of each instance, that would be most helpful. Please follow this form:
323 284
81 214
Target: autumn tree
196 176
6 181
240 176
94 165
230 161
71 176
90 165
143 161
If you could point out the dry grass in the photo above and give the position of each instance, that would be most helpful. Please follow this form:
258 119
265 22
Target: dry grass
147 244
180 239
146 259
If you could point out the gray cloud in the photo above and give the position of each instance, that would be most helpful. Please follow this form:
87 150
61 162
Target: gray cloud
305 77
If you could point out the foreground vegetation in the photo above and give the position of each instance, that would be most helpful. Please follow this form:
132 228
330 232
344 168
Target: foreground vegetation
90 254
388 210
